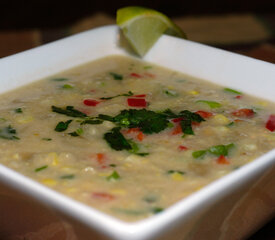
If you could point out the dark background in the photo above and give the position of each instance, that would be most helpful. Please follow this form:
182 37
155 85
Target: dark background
19 14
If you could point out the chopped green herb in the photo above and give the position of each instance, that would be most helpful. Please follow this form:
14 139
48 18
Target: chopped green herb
77 132
230 124
41 168
69 111
220 149
116 140
230 90
18 110
8 133
67 86
156 210
113 176
59 79
106 117
198 154
116 76
170 93
62 126
46 139
119 95
186 126
211 104
70 176
148 121
217 150
112 165
148 67
150 198
175 171
91 121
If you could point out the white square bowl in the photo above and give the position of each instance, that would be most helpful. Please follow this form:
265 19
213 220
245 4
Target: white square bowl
232 207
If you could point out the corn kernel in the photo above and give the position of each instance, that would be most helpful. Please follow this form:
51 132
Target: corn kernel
193 92
25 119
53 158
177 177
262 103
221 119
49 182
120 192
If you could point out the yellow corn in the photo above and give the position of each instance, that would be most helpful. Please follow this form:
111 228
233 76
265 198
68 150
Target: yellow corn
177 177
25 119
221 119
49 182
120 192
53 158
262 103
194 92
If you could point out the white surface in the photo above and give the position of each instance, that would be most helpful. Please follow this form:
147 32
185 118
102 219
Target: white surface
228 69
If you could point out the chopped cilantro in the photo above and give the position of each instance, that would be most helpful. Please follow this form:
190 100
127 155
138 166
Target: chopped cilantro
147 121
67 86
41 168
8 133
175 171
91 121
198 154
113 176
116 76
217 150
220 149
156 210
69 111
119 95
62 126
46 139
170 93
77 132
18 110
116 140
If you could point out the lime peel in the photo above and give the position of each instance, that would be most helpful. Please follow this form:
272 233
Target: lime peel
142 27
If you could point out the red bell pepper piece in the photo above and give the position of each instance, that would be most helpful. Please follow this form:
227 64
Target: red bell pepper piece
136 102
204 114
103 196
244 112
222 160
182 148
90 102
270 124
135 75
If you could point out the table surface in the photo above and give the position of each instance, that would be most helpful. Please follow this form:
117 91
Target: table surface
247 34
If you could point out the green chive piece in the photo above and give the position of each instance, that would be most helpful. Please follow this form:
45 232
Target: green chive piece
67 86
41 168
230 90
62 126
175 171
70 176
170 93
211 104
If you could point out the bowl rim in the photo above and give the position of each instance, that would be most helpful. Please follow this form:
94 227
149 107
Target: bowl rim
103 223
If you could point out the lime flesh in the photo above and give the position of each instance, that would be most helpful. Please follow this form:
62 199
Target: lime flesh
142 27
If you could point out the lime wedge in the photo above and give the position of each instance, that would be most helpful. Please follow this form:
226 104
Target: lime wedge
142 27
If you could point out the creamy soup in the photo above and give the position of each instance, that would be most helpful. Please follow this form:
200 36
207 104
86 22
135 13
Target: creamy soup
130 138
